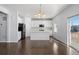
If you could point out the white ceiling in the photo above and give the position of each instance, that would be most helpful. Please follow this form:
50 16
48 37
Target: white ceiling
29 9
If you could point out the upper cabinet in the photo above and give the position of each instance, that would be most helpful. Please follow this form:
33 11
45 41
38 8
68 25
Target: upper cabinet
41 18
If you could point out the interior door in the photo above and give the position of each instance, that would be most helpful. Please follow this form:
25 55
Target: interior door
3 27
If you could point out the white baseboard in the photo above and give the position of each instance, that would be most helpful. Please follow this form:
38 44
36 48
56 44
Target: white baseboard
8 41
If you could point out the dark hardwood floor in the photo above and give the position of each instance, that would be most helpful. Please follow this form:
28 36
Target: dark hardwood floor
34 47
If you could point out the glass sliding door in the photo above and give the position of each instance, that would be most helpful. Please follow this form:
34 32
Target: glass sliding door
74 32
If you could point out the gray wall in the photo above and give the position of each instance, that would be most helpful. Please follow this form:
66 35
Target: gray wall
61 21
13 26
28 26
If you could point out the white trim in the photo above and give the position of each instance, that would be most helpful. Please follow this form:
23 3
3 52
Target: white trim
4 10
68 32
8 41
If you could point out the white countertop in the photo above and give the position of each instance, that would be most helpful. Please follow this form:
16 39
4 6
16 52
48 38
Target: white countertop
40 30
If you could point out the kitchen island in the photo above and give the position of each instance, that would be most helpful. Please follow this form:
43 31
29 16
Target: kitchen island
40 35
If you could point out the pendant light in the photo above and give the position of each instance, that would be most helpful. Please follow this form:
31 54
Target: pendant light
40 13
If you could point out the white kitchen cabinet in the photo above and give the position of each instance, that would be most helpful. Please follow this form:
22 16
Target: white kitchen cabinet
39 35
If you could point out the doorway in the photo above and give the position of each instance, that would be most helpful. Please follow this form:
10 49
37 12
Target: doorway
3 27
74 31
